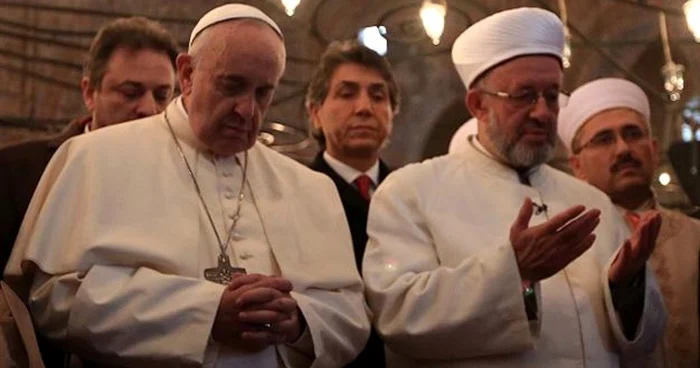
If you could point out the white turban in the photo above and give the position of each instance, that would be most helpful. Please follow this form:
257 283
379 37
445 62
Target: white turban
595 97
459 139
506 35
230 12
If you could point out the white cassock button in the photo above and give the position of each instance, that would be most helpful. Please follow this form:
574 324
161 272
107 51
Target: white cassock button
245 255
236 236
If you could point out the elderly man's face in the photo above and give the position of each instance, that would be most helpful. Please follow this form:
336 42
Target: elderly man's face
615 153
229 85
136 84
356 116
523 134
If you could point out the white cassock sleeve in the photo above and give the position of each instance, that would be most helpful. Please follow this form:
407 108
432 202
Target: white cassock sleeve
424 309
100 313
327 286
95 307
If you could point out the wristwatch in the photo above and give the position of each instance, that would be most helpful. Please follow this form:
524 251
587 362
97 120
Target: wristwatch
530 298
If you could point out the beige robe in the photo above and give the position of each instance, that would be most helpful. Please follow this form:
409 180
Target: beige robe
675 264
443 283
112 251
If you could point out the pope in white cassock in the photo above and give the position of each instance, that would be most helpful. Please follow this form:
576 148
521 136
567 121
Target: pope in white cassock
133 249
487 257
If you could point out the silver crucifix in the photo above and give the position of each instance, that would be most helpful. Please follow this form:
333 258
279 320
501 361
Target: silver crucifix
223 273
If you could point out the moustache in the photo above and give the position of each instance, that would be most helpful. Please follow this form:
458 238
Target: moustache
624 161
535 124
542 127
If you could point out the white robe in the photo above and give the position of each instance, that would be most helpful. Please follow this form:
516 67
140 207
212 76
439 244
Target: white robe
443 283
113 247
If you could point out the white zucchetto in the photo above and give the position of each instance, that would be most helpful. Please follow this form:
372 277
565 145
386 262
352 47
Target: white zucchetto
230 12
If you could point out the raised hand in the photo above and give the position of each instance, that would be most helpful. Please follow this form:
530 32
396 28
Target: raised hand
636 250
545 249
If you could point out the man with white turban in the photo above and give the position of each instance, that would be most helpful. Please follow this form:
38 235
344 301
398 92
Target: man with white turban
195 246
607 129
487 258
461 137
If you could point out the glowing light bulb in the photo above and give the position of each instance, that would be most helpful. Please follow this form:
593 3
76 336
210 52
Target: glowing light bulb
432 13
373 37
692 17
290 6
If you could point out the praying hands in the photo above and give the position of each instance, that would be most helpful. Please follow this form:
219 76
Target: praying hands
257 311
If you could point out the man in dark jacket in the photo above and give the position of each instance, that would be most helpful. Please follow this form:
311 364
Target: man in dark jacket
351 102
129 74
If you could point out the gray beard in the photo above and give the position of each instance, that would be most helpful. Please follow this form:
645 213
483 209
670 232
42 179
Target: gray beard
518 154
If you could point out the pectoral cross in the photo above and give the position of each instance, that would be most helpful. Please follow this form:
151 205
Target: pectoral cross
223 272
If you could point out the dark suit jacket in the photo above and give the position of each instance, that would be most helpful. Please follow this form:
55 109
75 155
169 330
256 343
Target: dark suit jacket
21 166
356 210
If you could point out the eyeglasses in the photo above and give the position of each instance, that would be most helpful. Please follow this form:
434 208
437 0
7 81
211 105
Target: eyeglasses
606 139
555 98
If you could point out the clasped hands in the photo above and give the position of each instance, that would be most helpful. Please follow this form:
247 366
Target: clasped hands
545 249
256 311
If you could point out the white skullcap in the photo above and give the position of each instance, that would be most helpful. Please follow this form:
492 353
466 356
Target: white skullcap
595 97
459 139
229 12
506 35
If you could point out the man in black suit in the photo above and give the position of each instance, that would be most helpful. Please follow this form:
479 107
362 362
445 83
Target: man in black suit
351 102
129 74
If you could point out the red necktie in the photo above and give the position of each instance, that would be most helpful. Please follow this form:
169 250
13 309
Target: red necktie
363 183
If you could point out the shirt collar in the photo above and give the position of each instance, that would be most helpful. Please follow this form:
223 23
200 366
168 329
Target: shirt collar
349 174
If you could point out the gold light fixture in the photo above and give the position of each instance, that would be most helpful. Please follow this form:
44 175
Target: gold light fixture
674 82
563 14
290 6
432 13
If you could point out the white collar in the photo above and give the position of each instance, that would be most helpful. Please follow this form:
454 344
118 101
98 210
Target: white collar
181 106
475 140
177 115
349 173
